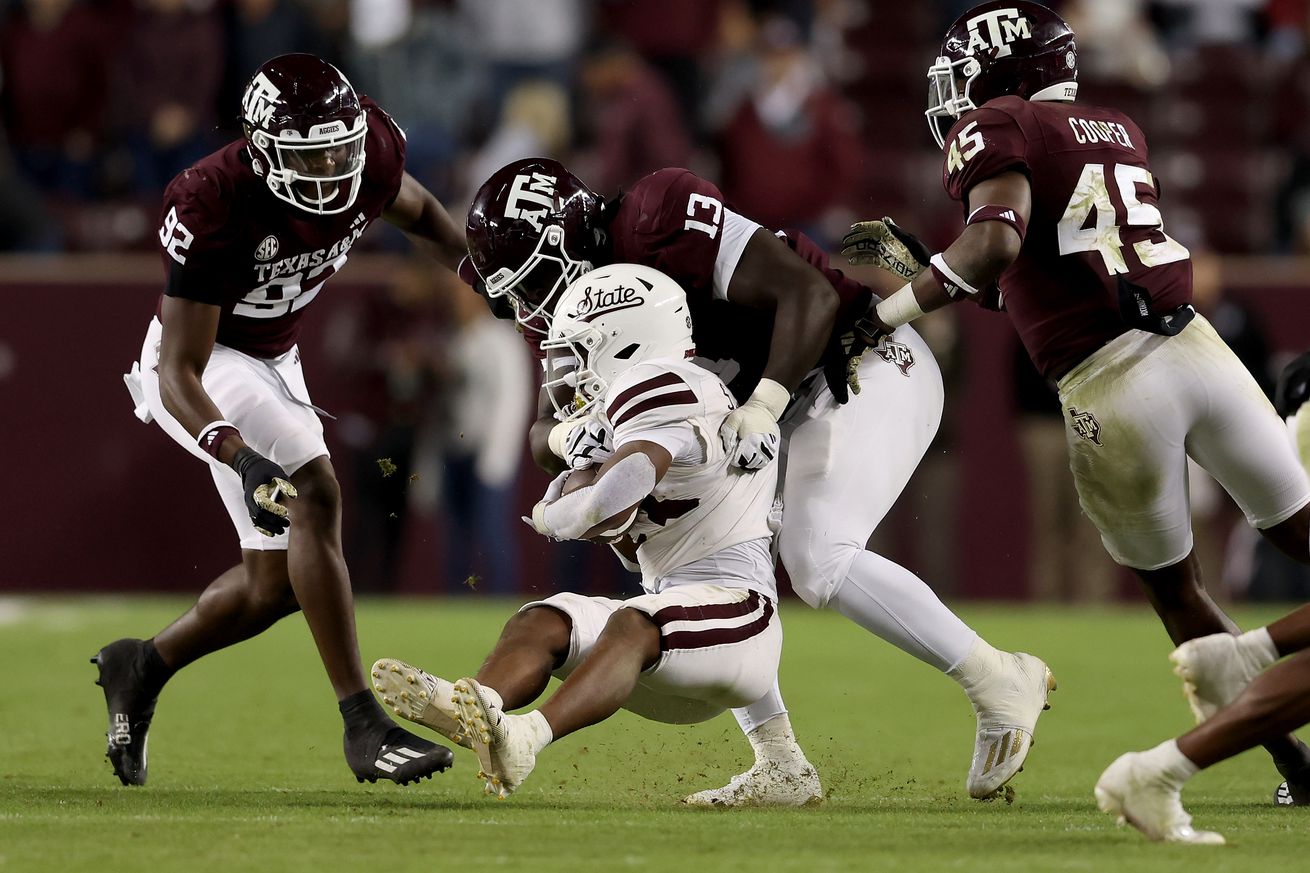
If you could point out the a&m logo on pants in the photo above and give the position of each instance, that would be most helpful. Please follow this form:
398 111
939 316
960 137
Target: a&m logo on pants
1085 425
897 354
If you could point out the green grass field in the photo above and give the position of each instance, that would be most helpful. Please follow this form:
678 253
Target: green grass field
247 774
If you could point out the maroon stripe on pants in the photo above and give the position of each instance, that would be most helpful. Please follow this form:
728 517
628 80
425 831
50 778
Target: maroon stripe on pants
704 613
718 636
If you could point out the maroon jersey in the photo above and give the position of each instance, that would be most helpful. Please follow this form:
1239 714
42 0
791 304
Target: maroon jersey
228 241
1096 260
672 220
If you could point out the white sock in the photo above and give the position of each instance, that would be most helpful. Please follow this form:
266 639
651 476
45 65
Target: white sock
888 600
542 735
770 706
1172 764
1259 647
774 743
982 662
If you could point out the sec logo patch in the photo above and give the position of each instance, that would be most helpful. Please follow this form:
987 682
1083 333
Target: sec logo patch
266 250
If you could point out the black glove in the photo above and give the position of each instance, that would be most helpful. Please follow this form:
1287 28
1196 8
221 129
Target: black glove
263 482
1293 386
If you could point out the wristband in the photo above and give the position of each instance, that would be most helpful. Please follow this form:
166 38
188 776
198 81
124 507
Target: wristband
949 279
1003 214
213 435
772 396
559 434
901 307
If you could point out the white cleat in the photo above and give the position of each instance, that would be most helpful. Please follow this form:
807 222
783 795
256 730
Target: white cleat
1214 670
1134 791
1007 702
768 783
503 743
419 696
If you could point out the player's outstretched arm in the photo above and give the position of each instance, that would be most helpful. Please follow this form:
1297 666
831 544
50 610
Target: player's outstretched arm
184 349
606 506
418 212
999 208
804 304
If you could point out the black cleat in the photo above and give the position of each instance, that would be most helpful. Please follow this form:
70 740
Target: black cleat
130 705
1292 793
391 752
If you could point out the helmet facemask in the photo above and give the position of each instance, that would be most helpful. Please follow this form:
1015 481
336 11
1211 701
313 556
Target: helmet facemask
582 346
314 171
947 101
537 283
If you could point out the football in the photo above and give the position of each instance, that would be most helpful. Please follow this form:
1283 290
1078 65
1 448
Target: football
580 479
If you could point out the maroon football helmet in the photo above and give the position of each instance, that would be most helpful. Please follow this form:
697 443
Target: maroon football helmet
305 129
533 228
1001 47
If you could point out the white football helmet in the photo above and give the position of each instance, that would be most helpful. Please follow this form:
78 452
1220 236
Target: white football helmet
610 319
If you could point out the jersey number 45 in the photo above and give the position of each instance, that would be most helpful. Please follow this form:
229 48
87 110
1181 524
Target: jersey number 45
1092 221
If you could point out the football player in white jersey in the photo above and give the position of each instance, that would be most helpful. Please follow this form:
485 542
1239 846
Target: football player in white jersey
705 637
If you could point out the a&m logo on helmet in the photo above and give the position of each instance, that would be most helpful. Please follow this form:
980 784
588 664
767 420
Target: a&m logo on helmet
260 98
996 30
531 197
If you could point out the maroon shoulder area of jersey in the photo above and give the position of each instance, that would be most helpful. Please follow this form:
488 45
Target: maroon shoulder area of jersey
1096 261
670 220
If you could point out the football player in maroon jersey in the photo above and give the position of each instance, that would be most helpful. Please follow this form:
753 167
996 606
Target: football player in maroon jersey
771 317
1064 232
250 235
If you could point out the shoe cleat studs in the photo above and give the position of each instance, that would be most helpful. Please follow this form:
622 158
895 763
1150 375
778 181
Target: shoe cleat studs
411 679
394 668
422 695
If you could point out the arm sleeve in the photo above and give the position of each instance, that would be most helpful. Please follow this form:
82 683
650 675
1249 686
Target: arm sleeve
982 144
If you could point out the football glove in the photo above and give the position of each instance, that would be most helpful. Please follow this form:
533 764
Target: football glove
264 482
886 246
750 432
589 443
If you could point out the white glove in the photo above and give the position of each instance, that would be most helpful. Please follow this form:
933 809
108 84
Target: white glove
750 432
588 444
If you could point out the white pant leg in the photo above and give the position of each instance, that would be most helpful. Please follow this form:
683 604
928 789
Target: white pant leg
1136 409
720 648
845 467
1241 441
249 395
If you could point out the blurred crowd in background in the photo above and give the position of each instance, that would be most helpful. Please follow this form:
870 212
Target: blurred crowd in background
807 113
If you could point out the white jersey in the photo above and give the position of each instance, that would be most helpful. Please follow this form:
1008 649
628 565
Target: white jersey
703 505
